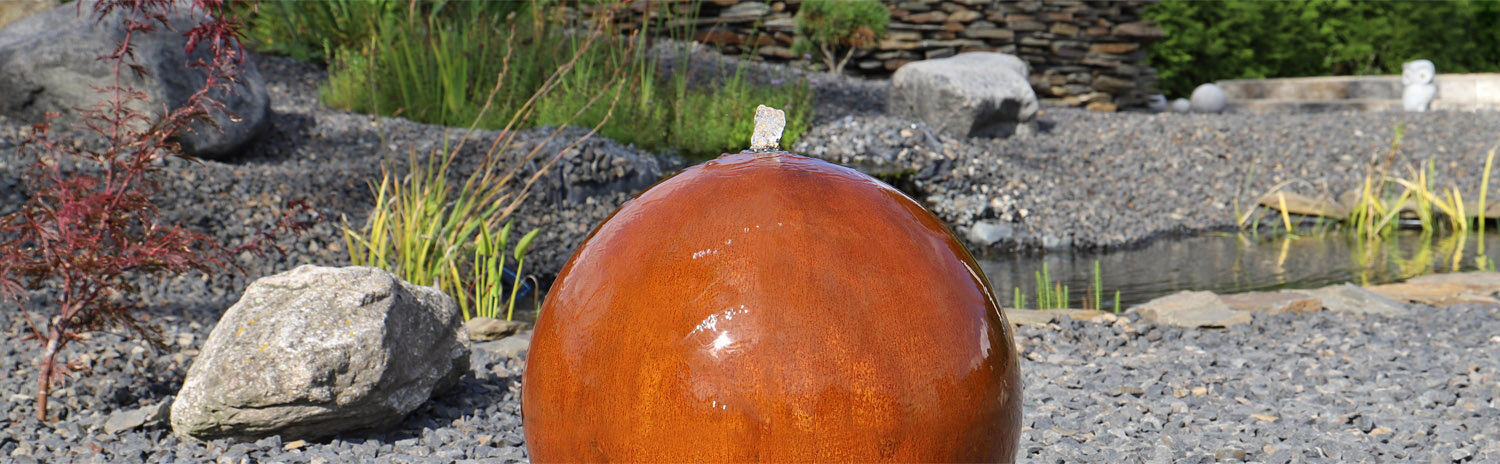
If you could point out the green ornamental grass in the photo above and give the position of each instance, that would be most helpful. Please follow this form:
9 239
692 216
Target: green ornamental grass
429 62
430 232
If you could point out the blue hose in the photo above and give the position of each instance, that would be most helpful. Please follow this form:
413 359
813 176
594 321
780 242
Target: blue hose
508 278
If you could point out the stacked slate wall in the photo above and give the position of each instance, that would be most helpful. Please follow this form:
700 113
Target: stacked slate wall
1082 53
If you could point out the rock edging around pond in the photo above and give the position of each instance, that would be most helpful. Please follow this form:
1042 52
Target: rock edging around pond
1207 309
1210 310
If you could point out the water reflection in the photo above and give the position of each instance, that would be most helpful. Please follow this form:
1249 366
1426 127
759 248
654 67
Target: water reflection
1230 263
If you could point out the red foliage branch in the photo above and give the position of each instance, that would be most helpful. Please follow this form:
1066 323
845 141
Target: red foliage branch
89 227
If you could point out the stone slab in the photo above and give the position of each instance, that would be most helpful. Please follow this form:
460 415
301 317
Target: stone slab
1044 317
1479 282
1191 309
1028 317
515 346
1304 205
1272 302
1353 299
483 329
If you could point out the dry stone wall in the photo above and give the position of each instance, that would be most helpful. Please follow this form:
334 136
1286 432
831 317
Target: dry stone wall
1082 53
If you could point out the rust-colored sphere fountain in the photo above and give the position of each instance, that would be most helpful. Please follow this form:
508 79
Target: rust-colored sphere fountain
770 307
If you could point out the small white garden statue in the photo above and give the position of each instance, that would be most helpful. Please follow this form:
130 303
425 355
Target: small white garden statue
1417 77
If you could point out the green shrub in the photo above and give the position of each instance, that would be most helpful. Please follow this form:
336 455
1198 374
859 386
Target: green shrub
829 26
1209 41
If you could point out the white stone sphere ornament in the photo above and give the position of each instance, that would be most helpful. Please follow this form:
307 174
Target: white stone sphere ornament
1208 98
1181 105
1417 77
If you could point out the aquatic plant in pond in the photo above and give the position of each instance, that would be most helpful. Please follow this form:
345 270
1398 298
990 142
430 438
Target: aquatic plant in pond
1377 209
1051 294
1241 262
1447 216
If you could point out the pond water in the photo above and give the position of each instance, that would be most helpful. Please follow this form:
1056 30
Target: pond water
1232 263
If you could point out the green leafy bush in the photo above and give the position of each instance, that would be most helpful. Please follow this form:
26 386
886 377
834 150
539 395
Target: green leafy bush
1208 41
829 26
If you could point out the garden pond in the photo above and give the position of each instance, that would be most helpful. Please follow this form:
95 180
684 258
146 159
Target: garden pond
1236 262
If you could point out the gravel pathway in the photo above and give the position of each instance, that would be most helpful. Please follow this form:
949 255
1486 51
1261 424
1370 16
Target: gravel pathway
1320 387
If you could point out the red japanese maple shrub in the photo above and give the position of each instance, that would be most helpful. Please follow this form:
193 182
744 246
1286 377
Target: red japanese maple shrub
90 224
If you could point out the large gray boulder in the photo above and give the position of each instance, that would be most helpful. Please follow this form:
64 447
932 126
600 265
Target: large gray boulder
49 62
978 94
318 351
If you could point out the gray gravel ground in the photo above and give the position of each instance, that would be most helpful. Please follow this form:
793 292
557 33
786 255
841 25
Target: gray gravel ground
326 158
1090 179
1322 387
1341 388
1086 179
477 420
1319 387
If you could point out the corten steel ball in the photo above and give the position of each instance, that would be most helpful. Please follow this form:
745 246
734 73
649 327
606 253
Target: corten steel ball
771 307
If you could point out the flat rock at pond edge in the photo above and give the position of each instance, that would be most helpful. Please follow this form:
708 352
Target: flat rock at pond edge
483 329
1191 309
512 347
1353 299
1206 309
1272 302
1483 283
1042 318
1436 293
1304 205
